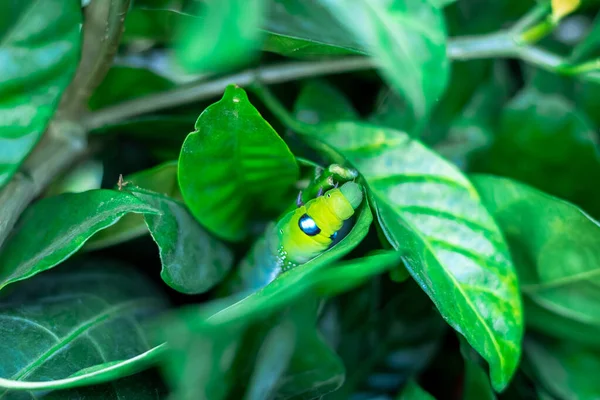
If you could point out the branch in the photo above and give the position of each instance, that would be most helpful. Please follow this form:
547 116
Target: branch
504 44
64 140
271 74
102 31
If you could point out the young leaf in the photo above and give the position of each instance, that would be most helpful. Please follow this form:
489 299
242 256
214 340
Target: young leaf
227 35
192 261
101 339
54 228
233 165
40 48
429 210
556 249
408 40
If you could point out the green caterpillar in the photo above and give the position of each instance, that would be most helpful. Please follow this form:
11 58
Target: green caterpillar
300 235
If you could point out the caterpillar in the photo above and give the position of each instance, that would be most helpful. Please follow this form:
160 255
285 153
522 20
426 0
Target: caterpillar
298 237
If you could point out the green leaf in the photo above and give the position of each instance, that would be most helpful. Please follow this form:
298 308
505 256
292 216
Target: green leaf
83 177
541 134
412 391
455 250
590 46
40 49
476 384
54 228
192 261
234 165
564 369
556 249
407 38
102 338
226 36
320 102
306 29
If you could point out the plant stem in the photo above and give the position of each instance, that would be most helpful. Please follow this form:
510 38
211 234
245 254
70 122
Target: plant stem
103 27
502 44
271 74
65 140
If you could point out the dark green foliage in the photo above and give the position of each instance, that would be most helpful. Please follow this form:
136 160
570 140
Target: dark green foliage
147 148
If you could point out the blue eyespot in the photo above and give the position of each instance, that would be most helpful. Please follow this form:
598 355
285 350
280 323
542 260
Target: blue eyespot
332 237
308 225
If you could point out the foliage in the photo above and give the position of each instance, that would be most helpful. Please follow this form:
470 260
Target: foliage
147 149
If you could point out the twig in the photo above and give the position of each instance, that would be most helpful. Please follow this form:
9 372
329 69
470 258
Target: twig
503 44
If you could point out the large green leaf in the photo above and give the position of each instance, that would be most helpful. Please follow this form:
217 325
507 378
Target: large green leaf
39 48
455 250
407 38
227 35
192 261
101 338
541 135
566 370
234 165
54 228
556 249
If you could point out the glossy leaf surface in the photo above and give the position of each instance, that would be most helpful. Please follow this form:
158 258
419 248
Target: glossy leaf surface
102 337
39 51
454 249
556 249
412 55
233 166
68 221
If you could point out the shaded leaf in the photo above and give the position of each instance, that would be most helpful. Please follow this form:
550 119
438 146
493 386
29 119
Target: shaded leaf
320 102
564 369
408 40
382 341
102 338
227 35
230 162
192 261
541 134
39 50
126 83
555 247
412 391
54 228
